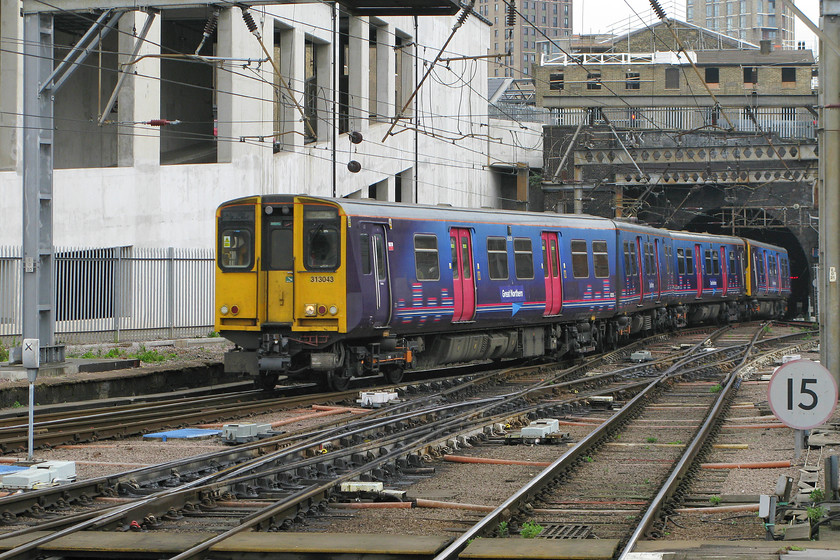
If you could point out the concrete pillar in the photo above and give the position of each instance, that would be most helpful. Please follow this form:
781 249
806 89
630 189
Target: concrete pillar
358 63
244 95
324 69
829 196
385 77
139 97
11 83
291 65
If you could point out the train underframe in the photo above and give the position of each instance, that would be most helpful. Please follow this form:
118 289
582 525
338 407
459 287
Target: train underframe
333 360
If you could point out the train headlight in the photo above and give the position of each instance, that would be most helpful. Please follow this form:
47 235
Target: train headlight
309 309
333 310
224 310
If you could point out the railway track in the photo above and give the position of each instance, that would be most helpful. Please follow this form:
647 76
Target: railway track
275 484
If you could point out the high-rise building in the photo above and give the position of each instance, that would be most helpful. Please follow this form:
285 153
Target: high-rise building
530 22
750 20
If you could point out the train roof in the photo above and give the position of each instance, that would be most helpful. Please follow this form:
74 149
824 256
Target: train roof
764 245
398 210
710 237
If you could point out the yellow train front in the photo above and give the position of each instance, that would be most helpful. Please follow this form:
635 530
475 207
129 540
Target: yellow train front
276 287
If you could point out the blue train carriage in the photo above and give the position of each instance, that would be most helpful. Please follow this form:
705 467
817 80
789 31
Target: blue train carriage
709 276
767 279
477 284
646 278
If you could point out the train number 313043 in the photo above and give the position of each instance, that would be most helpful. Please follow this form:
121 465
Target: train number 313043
321 279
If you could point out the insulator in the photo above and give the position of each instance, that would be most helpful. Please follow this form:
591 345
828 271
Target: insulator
465 12
511 13
660 13
210 26
354 166
161 122
249 21
356 137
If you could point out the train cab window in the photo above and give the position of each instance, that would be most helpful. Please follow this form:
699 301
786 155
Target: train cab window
600 259
580 259
235 251
523 258
321 238
497 258
426 257
236 238
680 261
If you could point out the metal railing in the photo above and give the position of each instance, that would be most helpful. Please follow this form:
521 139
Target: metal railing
118 293
786 122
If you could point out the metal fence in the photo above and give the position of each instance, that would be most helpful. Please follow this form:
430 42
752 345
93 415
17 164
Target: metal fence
118 293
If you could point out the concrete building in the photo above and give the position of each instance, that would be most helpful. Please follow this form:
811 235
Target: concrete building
236 127
517 27
749 20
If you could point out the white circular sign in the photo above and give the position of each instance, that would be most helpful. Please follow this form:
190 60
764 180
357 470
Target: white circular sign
802 394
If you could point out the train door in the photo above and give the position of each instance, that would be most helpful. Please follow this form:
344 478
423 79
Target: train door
278 262
552 271
642 271
723 269
463 289
658 272
698 270
375 273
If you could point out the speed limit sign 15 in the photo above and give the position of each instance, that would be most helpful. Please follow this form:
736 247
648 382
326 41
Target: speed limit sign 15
802 394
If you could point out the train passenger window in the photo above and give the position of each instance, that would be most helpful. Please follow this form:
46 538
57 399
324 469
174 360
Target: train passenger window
523 258
707 264
497 258
321 238
364 246
650 261
600 259
627 266
732 262
689 262
426 257
634 261
715 263
580 259
235 250
680 261
379 252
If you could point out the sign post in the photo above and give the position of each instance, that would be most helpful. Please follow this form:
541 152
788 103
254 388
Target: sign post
802 395
31 361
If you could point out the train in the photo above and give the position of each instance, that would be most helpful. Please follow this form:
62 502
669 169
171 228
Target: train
326 289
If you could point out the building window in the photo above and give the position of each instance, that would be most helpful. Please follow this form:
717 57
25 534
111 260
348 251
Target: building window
593 81
788 75
750 75
672 78
555 82
713 76
632 80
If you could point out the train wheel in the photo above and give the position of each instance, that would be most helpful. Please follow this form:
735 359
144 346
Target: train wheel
338 380
266 381
393 374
